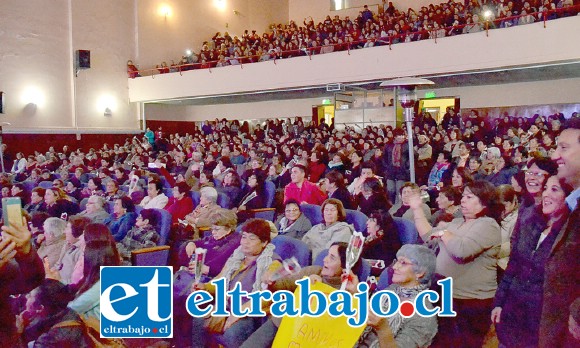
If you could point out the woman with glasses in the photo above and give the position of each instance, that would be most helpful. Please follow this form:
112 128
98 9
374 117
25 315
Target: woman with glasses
246 267
219 246
519 297
333 228
293 223
468 253
413 271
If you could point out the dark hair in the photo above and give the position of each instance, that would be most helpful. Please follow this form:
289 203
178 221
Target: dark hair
544 163
152 215
369 165
448 156
39 191
127 203
452 193
506 193
182 187
342 247
293 201
52 295
226 161
78 225
100 250
38 218
301 167
487 195
464 174
335 177
259 227
98 182
158 184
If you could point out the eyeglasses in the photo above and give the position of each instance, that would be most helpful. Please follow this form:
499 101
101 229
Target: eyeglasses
402 263
536 174
291 210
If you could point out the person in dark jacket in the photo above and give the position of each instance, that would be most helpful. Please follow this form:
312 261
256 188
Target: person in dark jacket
520 292
396 163
48 322
383 240
335 187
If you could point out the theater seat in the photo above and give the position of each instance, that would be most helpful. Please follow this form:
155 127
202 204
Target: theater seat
313 212
287 247
357 219
407 231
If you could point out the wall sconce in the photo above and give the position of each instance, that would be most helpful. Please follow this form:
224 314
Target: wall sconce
165 11
220 4
236 12
32 97
107 104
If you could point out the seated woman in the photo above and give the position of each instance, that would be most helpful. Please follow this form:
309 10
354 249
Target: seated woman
372 196
246 266
142 235
220 244
122 219
199 217
519 294
73 189
112 191
253 195
448 202
333 229
54 240
181 203
293 223
232 187
383 240
58 203
334 265
403 209
468 252
99 250
94 187
413 272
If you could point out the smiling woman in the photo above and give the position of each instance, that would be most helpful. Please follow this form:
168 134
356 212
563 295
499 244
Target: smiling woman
520 292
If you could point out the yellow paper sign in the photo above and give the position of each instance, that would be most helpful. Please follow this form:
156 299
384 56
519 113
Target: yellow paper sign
324 331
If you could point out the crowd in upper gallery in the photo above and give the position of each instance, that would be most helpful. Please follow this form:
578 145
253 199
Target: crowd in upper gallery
489 208
368 29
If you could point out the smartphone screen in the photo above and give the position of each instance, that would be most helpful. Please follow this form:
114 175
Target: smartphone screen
12 211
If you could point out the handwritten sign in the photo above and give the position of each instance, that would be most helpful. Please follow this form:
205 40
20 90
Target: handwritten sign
324 331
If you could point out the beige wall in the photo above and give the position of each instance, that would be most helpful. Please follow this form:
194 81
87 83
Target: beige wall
38 41
193 22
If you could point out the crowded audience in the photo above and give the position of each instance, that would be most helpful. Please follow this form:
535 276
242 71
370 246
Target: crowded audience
485 220
390 25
